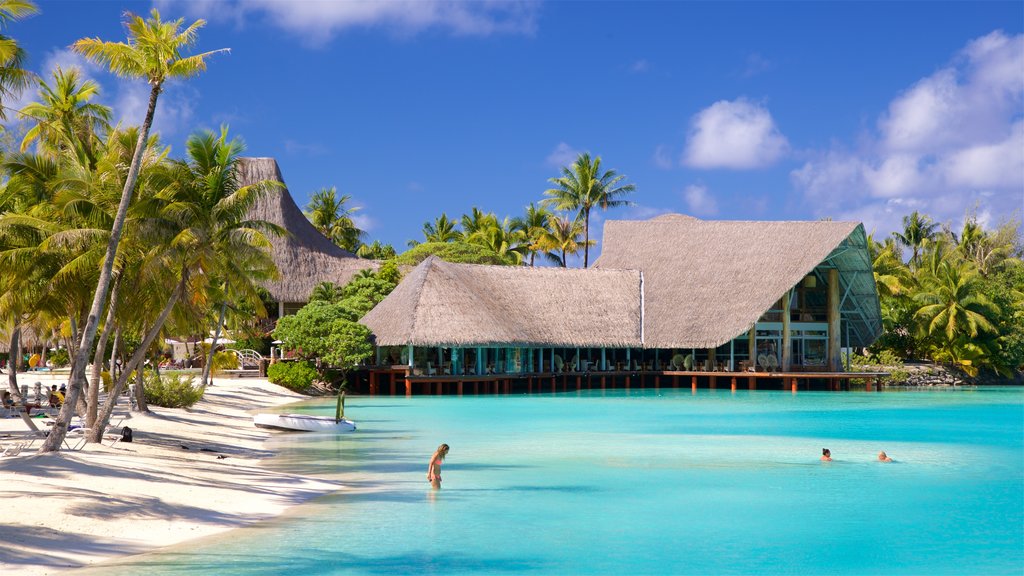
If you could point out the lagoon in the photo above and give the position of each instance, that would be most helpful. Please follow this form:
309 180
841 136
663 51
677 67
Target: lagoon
647 482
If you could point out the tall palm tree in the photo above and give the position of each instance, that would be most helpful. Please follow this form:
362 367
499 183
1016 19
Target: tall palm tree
328 214
477 221
152 52
892 277
953 306
441 230
504 240
533 225
13 76
918 229
583 187
65 116
561 238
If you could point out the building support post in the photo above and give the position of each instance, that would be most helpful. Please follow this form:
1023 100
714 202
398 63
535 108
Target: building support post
752 347
834 359
787 345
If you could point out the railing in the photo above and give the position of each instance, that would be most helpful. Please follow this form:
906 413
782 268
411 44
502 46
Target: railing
248 358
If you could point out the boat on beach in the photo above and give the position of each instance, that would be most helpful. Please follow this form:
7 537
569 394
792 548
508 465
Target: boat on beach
303 423
336 424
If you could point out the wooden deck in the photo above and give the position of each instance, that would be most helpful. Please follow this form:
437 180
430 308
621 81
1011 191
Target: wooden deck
399 381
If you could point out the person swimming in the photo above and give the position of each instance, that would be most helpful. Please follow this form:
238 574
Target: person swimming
826 455
883 457
434 469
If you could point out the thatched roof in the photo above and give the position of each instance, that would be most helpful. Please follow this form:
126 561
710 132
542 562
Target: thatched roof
706 282
305 257
440 304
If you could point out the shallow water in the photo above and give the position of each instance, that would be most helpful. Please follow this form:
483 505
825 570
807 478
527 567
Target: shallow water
648 483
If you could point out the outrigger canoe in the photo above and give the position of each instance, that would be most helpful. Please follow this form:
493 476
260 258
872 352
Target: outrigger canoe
306 422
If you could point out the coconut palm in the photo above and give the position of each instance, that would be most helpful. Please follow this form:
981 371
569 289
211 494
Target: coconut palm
953 306
152 52
13 77
533 225
891 275
376 251
504 240
328 214
441 230
583 187
561 238
65 116
476 221
918 229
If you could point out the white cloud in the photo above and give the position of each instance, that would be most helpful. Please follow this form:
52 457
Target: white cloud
641 212
699 201
364 221
756 64
562 155
295 147
174 109
739 134
952 142
318 21
640 66
663 157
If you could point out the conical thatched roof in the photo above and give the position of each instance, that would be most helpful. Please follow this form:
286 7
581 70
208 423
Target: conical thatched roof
706 282
440 303
305 257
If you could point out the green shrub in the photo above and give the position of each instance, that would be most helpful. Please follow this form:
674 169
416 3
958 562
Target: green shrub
172 390
224 360
296 376
59 358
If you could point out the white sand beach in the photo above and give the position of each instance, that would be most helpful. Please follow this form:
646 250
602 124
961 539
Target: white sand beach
188 474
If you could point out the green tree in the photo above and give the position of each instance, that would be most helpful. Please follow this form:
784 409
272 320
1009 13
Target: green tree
153 53
561 238
533 225
585 186
918 229
328 213
376 251
13 76
441 230
65 117
458 252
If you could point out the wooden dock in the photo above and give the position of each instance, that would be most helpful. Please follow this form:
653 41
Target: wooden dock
394 381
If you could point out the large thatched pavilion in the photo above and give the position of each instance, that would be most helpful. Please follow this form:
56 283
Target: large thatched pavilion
670 297
304 257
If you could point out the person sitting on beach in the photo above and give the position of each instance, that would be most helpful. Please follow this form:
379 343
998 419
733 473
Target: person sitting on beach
434 469
826 455
10 404
56 398
883 457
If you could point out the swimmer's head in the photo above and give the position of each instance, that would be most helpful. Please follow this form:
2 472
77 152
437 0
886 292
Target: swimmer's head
442 450
882 455
826 452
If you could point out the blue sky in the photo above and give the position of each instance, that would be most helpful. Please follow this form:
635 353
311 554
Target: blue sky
726 110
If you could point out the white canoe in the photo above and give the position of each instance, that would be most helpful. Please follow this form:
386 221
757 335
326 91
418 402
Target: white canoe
303 423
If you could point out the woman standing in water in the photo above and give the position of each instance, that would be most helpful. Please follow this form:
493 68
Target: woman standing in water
434 469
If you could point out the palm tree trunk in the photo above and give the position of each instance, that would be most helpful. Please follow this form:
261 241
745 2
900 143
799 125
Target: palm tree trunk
213 345
97 360
586 238
103 418
12 375
60 426
115 350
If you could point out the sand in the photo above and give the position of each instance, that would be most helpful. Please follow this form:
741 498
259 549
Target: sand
78 507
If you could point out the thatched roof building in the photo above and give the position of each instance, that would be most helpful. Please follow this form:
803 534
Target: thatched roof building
440 303
671 282
707 281
304 257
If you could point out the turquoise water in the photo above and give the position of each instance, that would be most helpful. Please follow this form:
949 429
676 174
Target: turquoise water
648 483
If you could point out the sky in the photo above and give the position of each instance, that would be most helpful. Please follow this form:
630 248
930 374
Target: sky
722 110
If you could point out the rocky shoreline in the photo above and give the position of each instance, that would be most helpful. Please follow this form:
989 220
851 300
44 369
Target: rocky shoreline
914 374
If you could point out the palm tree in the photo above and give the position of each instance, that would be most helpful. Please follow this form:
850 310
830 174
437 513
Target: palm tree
561 238
65 117
918 229
476 221
152 52
504 240
891 275
376 251
533 225
13 77
583 187
954 310
441 230
328 214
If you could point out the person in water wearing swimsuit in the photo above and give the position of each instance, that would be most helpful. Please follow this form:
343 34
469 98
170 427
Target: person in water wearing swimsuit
883 457
434 469
826 455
